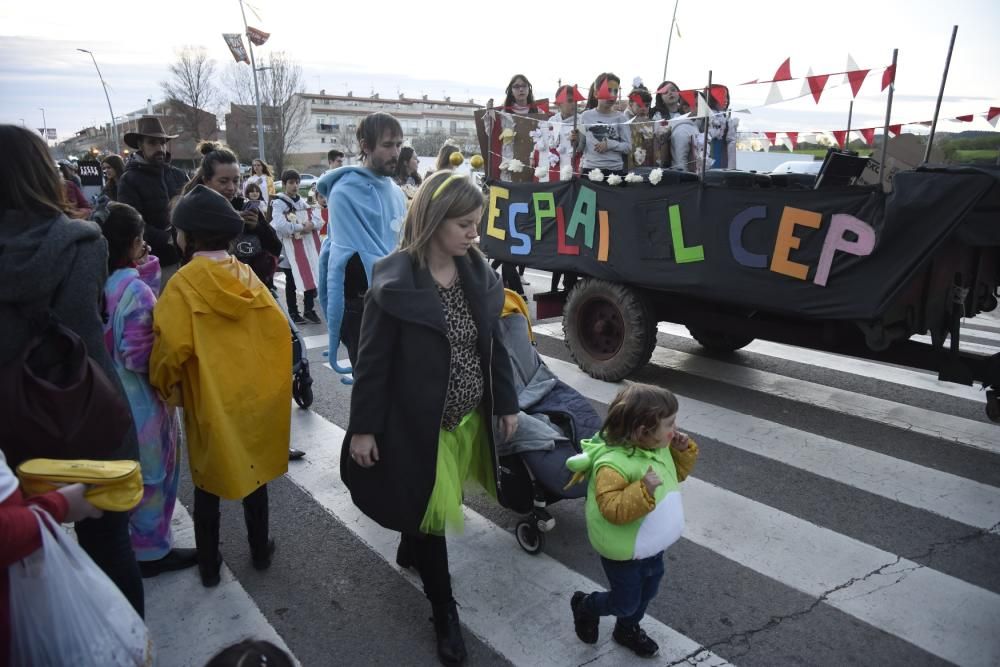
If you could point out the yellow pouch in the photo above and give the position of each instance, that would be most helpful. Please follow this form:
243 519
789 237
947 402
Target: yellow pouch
115 486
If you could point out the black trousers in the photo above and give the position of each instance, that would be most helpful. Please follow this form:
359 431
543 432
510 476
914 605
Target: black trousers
292 299
107 542
430 555
511 278
206 519
350 327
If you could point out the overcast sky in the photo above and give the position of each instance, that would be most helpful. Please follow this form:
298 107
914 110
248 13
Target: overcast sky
470 49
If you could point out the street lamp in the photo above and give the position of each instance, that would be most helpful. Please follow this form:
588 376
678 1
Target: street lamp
45 127
118 147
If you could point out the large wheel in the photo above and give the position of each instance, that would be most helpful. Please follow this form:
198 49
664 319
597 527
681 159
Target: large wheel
609 329
719 341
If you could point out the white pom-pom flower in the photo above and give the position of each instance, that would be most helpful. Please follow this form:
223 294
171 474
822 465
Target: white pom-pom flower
595 175
633 177
566 172
614 179
655 176
540 171
515 166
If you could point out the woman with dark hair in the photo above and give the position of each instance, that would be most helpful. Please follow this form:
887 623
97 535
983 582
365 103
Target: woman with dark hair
520 97
407 172
673 132
430 377
113 167
260 174
48 259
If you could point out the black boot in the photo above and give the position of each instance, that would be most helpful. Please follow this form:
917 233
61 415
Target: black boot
255 513
450 644
405 555
206 539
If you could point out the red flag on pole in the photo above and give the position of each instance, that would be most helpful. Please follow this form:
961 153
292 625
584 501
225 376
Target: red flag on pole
895 130
965 119
784 72
817 84
888 76
688 97
869 135
636 98
543 106
258 37
840 136
772 137
234 41
603 92
856 78
794 138
719 95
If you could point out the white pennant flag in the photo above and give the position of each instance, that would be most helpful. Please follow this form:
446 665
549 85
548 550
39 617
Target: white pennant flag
993 121
773 95
851 66
703 110
786 142
805 84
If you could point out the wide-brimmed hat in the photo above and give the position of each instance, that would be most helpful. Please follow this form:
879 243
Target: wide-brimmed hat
147 126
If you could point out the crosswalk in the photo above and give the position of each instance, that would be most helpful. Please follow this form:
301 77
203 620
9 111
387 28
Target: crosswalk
843 512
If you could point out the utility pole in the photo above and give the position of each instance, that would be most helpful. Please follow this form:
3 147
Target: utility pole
114 128
45 128
256 89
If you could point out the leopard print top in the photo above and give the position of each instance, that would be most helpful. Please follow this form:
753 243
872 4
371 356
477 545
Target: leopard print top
465 377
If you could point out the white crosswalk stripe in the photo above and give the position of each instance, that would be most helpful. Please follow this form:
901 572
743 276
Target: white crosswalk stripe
517 605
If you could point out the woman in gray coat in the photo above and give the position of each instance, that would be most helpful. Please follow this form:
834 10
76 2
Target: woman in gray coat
46 258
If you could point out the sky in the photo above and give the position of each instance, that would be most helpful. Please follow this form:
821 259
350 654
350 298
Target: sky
470 49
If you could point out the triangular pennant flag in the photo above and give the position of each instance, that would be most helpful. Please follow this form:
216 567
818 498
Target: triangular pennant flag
771 136
720 96
839 136
787 143
965 119
543 106
895 130
793 137
805 83
856 78
258 37
577 95
851 66
773 95
636 98
869 135
603 92
703 110
817 84
784 72
688 97
562 97
748 83
993 115
888 76
925 123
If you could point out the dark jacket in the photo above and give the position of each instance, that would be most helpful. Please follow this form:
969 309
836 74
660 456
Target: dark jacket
62 262
148 188
264 262
401 380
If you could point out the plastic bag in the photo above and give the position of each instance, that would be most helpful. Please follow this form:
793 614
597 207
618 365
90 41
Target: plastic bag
65 611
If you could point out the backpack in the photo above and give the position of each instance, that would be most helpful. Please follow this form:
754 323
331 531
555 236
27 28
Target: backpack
60 404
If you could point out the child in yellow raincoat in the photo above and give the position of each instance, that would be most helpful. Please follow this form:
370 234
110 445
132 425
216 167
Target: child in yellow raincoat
222 350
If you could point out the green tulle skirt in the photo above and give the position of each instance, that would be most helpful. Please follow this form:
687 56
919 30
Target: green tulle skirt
463 454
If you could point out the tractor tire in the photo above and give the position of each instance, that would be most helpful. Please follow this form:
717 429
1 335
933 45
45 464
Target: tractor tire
719 341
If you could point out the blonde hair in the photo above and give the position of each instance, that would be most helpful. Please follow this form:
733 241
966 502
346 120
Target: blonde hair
443 195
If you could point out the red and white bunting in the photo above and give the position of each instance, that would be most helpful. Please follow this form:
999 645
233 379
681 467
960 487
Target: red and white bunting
817 84
840 136
993 115
967 118
773 95
856 78
895 130
888 76
771 136
793 137
784 72
868 133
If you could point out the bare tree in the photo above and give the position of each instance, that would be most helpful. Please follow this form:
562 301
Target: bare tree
283 109
347 137
190 89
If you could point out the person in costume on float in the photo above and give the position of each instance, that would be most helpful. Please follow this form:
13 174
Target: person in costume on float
633 508
431 375
129 300
674 133
298 224
216 326
606 137
367 209
260 175
643 152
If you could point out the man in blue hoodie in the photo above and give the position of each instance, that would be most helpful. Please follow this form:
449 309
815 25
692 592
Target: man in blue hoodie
366 210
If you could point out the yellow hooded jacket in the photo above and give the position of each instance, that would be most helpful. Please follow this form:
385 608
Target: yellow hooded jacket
222 350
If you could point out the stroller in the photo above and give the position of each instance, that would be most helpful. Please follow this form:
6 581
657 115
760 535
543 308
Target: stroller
301 380
554 418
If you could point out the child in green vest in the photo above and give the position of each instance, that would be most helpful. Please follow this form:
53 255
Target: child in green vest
633 508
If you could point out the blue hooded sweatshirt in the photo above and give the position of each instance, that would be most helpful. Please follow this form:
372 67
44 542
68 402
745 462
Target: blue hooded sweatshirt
366 216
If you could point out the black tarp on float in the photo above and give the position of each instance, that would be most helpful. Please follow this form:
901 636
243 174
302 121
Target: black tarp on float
831 254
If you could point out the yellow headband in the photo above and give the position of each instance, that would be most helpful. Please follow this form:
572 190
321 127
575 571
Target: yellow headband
441 187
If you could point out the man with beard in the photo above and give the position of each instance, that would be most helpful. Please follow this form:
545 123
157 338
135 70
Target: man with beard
366 211
148 184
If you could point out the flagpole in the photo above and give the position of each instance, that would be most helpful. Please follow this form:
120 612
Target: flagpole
704 152
256 89
670 37
937 107
847 136
888 112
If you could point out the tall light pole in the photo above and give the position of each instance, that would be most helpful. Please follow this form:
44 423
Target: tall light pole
256 89
114 128
45 127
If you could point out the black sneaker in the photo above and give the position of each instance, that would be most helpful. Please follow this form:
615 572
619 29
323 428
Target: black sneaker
176 559
312 316
298 319
635 638
586 625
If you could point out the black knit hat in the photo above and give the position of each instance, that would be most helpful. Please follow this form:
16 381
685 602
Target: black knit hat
205 210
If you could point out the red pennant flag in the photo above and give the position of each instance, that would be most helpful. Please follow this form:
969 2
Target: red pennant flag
965 119
784 72
794 138
562 98
719 95
888 76
840 136
992 113
925 123
772 137
577 97
869 135
748 83
543 106
817 84
856 78
603 93
258 37
636 98
688 97
895 130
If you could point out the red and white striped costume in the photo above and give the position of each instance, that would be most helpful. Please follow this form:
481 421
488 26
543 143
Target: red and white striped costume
290 219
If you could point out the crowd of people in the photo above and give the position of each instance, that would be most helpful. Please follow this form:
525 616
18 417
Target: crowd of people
170 287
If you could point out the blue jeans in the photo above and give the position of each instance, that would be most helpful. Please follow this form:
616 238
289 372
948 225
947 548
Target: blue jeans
633 585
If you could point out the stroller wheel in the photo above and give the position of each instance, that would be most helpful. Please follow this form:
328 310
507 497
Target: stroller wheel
302 391
529 537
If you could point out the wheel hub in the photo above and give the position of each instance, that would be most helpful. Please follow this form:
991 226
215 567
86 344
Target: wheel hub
603 328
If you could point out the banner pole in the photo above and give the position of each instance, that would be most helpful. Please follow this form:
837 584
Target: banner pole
704 152
847 136
937 107
670 37
256 89
888 113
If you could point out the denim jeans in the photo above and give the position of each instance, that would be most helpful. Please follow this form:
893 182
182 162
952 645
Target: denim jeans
633 585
